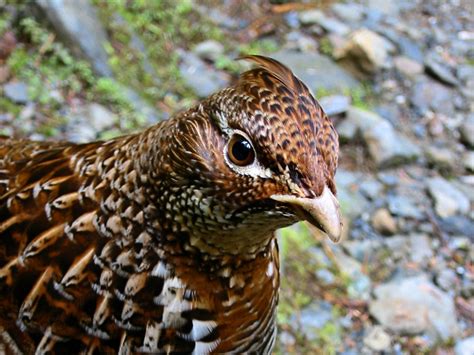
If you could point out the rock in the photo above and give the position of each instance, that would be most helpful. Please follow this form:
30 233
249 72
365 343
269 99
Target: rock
335 104
311 17
385 7
352 202
377 339
387 147
468 161
413 306
141 106
325 276
348 12
465 72
366 51
72 19
467 131
17 91
404 206
199 76
420 249
317 71
447 279
441 158
99 117
210 50
371 188
448 200
435 67
334 26
362 250
429 95
313 318
301 42
383 222
292 19
465 346
410 48
407 67
4 73
457 225
356 121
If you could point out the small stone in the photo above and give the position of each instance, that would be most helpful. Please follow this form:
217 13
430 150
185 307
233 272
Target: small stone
408 67
332 25
367 51
441 158
99 117
465 346
429 95
439 70
311 17
17 91
356 121
377 339
404 206
468 161
325 276
448 200
4 73
314 317
467 131
210 50
371 188
421 249
447 279
383 222
413 306
348 12
335 104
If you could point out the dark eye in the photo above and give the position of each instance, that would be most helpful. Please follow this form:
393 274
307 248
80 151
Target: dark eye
240 151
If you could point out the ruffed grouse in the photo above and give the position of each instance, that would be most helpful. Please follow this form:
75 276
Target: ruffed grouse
163 241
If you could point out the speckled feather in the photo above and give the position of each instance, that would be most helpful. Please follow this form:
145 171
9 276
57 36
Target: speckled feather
153 242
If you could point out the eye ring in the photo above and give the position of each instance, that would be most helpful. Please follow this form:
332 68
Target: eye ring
240 151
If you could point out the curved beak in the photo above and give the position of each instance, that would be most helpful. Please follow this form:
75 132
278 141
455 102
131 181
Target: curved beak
322 212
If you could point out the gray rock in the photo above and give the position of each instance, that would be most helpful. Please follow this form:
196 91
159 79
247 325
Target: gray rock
421 249
371 188
335 104
317 71
404 206
377 339
448 200
362 250
209 50
332 25
442 158
325 276
348 12
385 7
387 147
352 202
356 121
141 106
301 42
203 79
366 51
72 20
465 72
414 305
435 67
410 49
311 17
17 91
468 161
383 222
98 116
465 346
313 318
429 95
408 67
447 279
467 131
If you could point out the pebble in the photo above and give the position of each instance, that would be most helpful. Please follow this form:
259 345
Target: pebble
468 161
377 339
335 104
99 116
440 71
407 66
348 12
314 317
465 346
210 50
466 131
332 25
414 305
447 279
371 188
429 95
448 200
367 50
383 222
441 158
311 17
404 206
420 249
200 77
17 91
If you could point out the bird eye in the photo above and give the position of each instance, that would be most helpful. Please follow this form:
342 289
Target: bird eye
240 151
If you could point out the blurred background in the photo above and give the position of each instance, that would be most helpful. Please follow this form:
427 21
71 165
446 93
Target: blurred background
397 78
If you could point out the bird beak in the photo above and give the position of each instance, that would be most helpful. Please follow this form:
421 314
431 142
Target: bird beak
322 212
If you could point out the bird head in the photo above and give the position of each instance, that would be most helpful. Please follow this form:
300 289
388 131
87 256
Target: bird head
251 158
